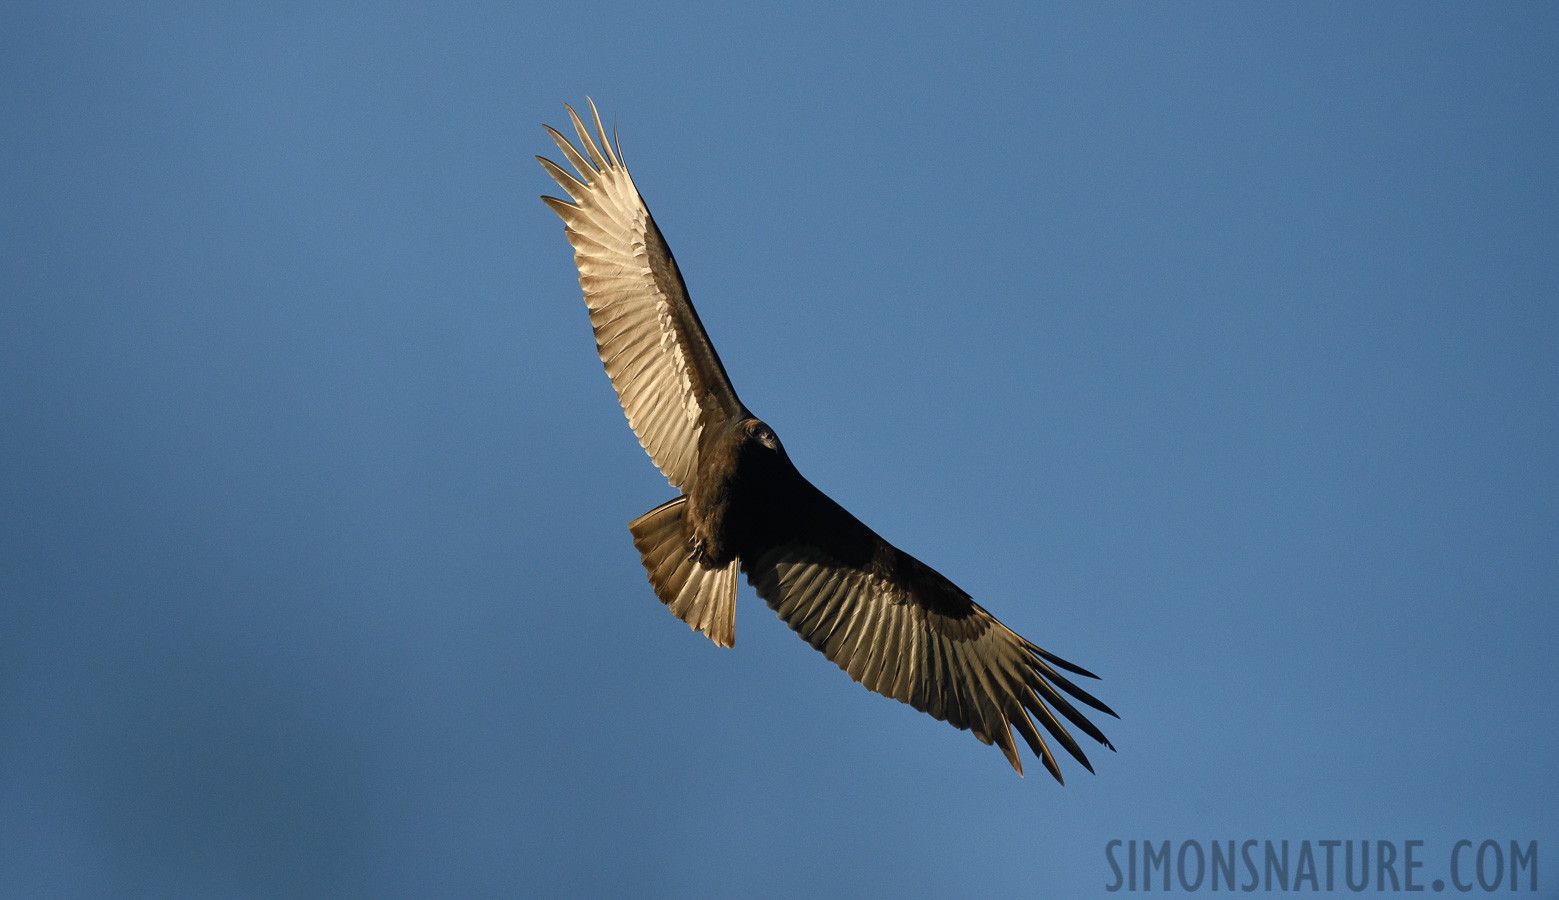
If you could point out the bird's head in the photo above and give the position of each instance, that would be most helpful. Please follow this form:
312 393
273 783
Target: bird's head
757 431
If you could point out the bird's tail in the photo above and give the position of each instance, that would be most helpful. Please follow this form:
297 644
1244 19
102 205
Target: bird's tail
703 597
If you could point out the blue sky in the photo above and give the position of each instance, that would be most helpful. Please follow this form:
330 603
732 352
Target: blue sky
1214 347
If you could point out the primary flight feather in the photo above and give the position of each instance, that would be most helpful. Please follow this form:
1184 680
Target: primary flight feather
890 621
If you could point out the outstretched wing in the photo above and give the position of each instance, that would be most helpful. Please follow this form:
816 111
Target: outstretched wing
901 629
668 378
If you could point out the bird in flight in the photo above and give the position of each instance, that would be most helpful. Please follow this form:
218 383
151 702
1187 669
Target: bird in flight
889 620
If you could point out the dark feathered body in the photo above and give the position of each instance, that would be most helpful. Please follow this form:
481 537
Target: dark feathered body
746 494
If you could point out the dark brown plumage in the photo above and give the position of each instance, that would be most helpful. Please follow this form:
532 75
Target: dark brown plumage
893 623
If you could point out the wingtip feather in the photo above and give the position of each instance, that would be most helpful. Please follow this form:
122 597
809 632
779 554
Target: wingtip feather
1052 658
606 145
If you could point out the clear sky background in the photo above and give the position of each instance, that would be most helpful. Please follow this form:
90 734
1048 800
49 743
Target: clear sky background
1214 347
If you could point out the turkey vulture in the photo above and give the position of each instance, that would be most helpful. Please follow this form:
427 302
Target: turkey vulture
890 621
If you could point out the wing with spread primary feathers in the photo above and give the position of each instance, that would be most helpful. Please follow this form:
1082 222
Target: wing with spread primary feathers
668 378
901 629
